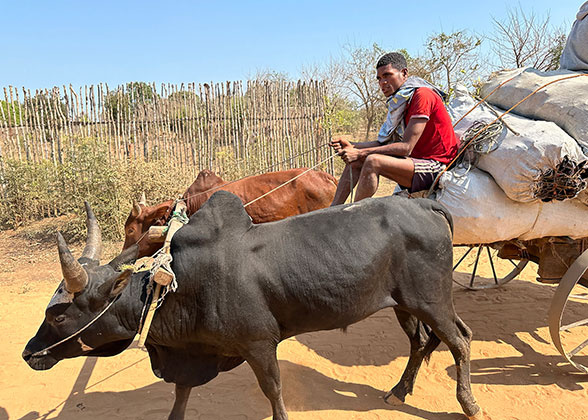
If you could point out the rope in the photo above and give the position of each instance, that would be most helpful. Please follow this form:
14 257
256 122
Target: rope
289 181
498 118
350 184
483 100
291 158
484 139
45 351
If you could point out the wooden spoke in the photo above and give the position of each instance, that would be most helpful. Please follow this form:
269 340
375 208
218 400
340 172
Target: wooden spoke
480 268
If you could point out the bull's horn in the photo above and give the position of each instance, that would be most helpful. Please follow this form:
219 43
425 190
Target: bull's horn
143 200
74 275
93 246
136 210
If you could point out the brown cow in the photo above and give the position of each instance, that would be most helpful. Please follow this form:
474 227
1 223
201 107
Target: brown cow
312 191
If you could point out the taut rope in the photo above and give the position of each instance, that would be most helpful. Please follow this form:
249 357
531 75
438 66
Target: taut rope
498 118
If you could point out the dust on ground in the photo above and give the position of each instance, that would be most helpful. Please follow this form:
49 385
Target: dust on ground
516 372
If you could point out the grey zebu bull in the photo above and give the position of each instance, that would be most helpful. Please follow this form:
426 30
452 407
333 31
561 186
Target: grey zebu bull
242 288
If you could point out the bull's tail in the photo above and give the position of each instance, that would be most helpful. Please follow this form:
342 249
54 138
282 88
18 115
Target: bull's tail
439 208
432 341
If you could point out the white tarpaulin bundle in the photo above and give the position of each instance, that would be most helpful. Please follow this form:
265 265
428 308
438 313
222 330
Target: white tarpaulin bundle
483 214
575 53
520 158
564 102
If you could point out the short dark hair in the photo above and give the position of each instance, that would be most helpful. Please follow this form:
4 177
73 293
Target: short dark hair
396 59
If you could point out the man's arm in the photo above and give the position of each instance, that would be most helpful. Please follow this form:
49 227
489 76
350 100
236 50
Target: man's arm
350 153
339 144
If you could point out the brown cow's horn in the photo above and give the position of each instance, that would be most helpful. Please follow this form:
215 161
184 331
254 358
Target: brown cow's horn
94 240
143 200
136 211
74 275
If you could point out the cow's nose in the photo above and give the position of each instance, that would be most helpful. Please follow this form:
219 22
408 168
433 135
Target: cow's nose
26 355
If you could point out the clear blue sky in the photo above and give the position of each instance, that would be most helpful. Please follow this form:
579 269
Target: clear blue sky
47 43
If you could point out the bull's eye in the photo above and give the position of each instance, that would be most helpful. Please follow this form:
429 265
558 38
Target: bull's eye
59 318
131 231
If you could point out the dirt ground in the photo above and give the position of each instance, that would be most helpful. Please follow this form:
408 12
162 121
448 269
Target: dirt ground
516 372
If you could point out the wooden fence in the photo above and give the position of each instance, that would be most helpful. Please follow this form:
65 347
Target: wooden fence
231 128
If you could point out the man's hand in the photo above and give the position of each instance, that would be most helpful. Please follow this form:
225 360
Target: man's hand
350 154
339 144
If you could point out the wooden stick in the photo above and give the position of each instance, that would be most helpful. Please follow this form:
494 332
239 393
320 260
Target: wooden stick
161 276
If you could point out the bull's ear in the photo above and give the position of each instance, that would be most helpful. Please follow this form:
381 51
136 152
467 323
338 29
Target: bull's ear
161 210
115 286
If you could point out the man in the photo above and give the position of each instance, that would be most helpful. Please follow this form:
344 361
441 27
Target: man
415 143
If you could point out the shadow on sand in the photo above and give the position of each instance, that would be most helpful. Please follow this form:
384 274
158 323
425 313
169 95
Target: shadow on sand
304 390
498 315
494 315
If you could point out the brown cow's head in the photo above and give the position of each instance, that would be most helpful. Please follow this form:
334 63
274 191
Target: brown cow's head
142 217
205 184
86 289
205 181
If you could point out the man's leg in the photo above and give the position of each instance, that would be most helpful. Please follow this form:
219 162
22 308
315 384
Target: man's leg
397 169
344 185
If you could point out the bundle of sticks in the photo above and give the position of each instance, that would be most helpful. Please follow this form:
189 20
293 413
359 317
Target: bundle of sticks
562 182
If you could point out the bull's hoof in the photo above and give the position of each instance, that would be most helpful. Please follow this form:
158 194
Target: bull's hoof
480 415
392 399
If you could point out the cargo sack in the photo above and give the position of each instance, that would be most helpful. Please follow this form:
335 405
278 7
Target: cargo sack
527 150
575 53
559 218
483 214
564 103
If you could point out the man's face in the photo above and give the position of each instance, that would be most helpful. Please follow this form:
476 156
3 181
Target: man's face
390 79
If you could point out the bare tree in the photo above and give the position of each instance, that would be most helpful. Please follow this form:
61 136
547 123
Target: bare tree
419 66
358 76
524 39
269 75
341 114
452 58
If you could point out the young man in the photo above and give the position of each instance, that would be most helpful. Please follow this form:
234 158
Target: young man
414 144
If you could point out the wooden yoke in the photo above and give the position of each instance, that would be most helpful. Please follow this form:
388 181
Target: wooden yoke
161 276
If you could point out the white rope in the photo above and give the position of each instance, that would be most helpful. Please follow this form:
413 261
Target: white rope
351 186
289 181
45 351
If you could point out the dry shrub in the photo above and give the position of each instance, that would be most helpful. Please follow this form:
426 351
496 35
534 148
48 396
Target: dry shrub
35 191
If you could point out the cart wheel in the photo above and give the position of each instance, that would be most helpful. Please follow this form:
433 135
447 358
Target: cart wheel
475 269
559 318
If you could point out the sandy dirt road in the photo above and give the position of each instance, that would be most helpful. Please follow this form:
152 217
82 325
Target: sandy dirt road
516 372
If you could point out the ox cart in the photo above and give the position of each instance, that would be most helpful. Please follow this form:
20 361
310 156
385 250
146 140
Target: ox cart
560 261
517 199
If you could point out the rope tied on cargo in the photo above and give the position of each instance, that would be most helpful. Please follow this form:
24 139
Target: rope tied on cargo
563 182
479 139
462 149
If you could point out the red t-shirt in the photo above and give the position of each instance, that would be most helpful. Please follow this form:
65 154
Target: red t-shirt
438 141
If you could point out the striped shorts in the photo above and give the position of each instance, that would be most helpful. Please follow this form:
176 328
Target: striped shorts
425 172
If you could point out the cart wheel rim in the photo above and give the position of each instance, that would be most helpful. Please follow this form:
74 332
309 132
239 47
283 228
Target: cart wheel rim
558 304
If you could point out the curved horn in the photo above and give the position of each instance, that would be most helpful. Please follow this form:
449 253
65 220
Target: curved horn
74 275
143 199
93 246
125 257
136 211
